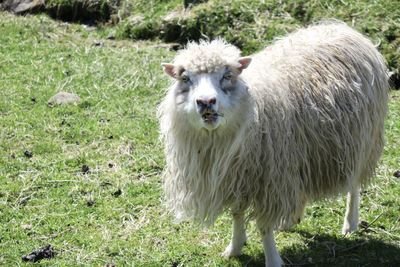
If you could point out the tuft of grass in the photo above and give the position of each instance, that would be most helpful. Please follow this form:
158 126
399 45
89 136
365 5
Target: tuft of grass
92 188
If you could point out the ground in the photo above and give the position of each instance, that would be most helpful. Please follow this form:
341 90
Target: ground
86 178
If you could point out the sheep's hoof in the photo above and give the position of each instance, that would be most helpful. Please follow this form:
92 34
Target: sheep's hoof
349 228
231 251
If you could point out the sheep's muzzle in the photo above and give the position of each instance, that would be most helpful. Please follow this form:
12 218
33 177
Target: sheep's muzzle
210 116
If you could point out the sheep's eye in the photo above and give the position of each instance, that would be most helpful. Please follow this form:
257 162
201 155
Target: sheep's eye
185 79
227 76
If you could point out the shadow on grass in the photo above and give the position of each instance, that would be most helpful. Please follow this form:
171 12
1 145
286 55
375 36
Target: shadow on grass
325 250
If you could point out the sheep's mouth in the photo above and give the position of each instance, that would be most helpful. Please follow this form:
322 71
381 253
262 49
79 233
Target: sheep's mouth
211 116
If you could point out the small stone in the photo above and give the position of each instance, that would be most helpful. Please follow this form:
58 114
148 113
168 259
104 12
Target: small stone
110 165
397 174
63 98
22 6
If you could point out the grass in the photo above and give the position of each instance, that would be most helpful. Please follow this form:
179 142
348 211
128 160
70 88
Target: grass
113 214
248 24
251 25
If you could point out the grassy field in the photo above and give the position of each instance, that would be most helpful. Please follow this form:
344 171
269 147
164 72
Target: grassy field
91 186
248 24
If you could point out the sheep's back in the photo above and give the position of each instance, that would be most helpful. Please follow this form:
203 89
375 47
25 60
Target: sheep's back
322 97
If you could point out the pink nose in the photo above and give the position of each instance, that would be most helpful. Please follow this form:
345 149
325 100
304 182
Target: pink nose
206 101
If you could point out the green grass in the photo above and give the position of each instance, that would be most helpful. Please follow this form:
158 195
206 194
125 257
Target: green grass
114 214
248 24
251 25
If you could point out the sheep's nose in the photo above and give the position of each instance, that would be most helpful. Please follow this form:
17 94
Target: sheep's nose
206 102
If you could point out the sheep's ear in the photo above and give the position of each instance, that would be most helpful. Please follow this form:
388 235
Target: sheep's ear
169 69
244 63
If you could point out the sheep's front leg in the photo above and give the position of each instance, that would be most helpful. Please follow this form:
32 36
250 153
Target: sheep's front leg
272 258
238 237
351 217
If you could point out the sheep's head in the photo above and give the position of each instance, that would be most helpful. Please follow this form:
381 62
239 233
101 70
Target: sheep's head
208 91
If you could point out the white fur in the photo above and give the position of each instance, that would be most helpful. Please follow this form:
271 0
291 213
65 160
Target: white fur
351 217
304 121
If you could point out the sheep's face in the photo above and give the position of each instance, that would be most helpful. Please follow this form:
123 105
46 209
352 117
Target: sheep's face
209 100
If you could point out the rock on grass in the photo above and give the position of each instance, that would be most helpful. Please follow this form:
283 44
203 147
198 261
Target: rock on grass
22 6
63 98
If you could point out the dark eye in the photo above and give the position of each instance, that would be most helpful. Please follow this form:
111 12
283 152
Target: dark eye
185 79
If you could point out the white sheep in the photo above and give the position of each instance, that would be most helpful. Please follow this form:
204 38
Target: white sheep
303 121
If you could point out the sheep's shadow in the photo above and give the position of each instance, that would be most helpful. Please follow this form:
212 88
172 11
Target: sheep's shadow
326 250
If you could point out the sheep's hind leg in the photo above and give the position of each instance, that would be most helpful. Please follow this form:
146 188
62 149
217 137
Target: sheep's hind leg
272 258
238 237
351 218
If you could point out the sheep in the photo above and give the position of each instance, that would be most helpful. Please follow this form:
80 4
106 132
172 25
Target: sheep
262 136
